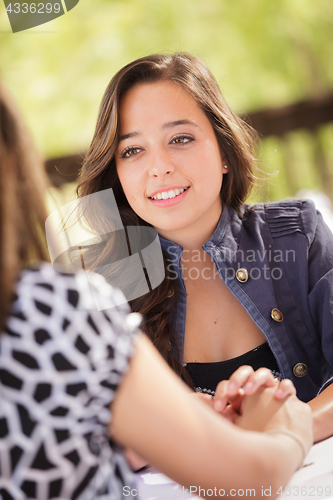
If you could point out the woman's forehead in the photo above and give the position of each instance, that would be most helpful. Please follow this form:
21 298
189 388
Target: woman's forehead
161 101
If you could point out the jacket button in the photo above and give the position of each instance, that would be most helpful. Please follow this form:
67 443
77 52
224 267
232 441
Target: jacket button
277 315
300 370
242 275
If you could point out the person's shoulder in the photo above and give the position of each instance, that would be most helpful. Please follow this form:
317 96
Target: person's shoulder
54 288
283 217
283 207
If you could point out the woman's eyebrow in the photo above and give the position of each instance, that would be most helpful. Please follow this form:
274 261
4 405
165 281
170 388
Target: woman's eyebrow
179 122
128 136
174 123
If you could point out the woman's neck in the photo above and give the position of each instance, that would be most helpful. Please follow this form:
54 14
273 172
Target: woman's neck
192 238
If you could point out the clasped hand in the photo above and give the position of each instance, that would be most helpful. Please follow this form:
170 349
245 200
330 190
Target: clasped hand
244 382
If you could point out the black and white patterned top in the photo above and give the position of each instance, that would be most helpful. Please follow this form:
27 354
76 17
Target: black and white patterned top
61 362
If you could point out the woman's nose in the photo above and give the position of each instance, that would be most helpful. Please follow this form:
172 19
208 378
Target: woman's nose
160 164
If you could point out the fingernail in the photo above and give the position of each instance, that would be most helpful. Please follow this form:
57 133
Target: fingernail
248 386
218 406
279 393
232 388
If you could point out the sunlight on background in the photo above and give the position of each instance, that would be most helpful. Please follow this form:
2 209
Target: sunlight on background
263 54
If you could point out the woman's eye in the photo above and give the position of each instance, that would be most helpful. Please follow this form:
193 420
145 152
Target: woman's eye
182 139
130 152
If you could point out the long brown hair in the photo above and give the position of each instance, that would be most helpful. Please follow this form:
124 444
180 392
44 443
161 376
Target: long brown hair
235 138
22 210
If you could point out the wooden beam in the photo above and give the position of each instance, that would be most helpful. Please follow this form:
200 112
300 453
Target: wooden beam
307 114
63 169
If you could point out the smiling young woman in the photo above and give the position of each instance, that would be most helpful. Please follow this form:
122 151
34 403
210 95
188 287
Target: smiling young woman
167 143
178 159
183 75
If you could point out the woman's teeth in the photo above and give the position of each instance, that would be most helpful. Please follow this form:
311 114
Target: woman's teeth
166 195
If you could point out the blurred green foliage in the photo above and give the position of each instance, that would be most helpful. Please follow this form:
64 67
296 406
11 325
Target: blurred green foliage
263 54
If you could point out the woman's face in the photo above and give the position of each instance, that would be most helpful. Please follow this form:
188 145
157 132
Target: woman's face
169 162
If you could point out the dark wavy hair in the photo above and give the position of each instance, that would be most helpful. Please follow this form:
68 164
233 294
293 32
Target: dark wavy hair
236 141
23 184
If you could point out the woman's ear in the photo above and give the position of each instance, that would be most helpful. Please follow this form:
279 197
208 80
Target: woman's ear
225 165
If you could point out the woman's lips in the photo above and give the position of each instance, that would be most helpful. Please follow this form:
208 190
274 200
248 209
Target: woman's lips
170 201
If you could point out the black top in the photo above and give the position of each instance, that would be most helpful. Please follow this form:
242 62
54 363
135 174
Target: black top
206 376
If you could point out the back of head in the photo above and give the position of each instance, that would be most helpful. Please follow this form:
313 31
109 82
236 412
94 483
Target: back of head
22 211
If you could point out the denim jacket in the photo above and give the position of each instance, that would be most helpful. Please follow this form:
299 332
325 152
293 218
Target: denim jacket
277 260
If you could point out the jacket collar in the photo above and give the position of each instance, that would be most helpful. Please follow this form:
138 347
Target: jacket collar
225 237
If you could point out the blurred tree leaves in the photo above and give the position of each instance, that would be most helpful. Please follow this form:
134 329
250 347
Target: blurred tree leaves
263 53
